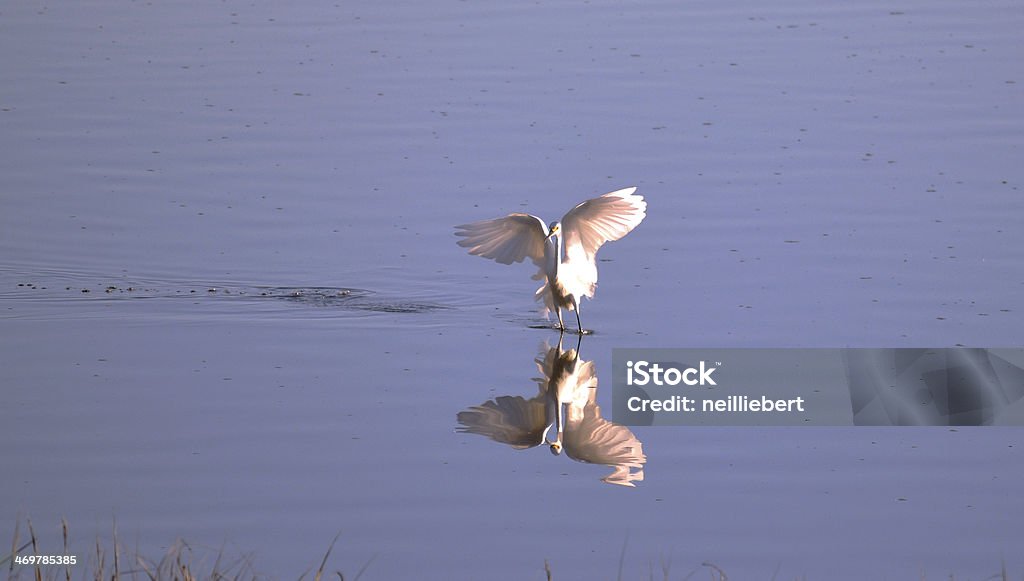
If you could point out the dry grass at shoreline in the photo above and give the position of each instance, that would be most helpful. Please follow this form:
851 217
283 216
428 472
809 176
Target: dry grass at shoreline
182 562
115 562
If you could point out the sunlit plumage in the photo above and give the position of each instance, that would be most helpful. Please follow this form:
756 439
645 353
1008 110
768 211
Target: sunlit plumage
565 252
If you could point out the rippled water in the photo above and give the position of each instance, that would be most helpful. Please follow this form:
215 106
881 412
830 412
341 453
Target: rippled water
232 309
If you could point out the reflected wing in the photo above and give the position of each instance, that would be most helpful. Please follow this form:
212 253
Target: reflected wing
602 219
506 240
598 441
511 420
624 476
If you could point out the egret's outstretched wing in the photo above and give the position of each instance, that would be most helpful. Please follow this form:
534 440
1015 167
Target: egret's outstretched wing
602 219
595 440
507 419
510 239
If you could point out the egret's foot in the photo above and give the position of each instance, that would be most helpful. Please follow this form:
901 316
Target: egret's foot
582 332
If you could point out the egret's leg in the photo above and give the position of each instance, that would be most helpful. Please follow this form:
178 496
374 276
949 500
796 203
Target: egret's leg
576 309
561 325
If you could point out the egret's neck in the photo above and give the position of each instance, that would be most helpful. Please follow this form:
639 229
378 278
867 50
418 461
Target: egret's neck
555 401
559 419
553 255
556 444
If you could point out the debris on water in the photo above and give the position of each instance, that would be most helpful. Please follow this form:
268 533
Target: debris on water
345 298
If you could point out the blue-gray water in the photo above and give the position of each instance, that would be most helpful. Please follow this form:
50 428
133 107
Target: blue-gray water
277 186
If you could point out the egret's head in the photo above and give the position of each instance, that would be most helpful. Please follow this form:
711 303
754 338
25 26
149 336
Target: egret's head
556 448
554 228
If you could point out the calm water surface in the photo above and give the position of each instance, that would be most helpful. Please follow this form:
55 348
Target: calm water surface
232 309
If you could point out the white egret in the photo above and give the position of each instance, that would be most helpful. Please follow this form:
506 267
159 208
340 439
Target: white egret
565 252
566 402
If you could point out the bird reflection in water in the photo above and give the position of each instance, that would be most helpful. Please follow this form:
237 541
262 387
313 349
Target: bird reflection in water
566 404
